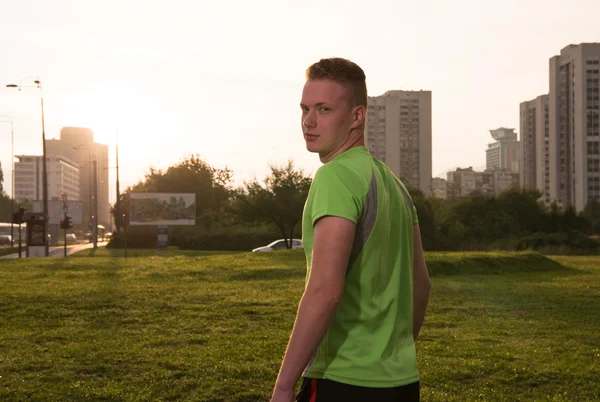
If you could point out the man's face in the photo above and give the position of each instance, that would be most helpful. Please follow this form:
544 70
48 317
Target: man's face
326 116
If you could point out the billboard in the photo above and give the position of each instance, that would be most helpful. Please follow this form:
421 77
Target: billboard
162 209
56 211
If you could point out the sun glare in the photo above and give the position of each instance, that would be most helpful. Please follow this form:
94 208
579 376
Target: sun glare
133 116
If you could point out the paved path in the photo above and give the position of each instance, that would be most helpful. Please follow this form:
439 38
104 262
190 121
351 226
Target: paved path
59 250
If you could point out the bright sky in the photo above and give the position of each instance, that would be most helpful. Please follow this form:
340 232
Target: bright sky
224 79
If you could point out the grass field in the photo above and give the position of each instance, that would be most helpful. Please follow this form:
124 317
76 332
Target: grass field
213 326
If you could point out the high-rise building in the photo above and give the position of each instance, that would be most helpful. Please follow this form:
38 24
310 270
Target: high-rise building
504 152
63 178
398 133
77 143
574 107
535 146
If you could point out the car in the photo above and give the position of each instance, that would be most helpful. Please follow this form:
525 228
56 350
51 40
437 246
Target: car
5 240
278 245
71 237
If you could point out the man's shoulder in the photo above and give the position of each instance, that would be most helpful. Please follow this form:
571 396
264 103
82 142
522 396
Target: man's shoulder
345 169
333 168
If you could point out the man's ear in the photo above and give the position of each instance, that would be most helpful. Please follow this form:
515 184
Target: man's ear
359 116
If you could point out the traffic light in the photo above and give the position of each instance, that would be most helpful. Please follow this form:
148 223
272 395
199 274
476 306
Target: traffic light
66 223
18 217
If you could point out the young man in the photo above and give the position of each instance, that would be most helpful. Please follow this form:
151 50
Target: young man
367 283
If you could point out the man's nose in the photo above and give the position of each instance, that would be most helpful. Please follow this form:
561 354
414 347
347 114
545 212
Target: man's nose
309 120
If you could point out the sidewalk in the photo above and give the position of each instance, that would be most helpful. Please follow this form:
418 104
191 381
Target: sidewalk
58 251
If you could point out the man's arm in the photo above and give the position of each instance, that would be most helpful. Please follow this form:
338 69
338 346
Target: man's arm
421 283
333 238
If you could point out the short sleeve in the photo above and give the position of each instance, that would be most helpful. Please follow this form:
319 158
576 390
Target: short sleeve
415 218
335 191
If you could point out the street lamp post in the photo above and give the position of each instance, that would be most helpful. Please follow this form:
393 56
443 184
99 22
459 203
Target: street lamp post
118 203
38 84
125 232
117 209
64 197
12 181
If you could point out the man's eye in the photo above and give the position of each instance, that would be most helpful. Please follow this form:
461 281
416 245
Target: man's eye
324 109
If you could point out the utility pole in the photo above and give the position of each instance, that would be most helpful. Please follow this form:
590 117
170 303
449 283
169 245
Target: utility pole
95 223
118 203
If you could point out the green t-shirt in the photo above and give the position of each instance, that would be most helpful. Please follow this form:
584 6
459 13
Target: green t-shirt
370 340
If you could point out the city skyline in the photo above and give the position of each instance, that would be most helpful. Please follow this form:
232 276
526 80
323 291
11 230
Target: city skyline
190 79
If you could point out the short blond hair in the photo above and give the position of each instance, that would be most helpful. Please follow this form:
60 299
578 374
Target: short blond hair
344 72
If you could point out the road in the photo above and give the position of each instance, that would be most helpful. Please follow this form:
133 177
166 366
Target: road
59 250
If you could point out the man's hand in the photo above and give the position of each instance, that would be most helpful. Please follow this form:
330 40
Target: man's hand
421 283
282 395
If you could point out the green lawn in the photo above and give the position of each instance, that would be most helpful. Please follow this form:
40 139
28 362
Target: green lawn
199 326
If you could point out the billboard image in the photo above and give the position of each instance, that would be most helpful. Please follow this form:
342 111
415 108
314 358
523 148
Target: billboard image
56 210
162 209
35 233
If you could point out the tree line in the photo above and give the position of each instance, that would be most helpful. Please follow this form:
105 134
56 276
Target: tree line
242 217
227 217
260 211
514 220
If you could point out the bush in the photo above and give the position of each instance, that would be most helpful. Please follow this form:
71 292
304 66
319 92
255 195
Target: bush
225 240
137 237
197 238
572 242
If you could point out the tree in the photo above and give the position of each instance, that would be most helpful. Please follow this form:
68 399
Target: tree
575 222
592 214
425 213
5 201
191 175
5 208
524 207
1 180
279 202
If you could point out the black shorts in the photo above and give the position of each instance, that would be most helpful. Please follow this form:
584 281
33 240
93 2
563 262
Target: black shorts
319 390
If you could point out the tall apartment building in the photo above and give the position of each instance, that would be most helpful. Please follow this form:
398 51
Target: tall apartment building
535 145
504 152
88 151
398 133
63 178
574 107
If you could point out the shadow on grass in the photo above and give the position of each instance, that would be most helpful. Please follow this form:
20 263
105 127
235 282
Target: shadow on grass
440 264
141 253
271 274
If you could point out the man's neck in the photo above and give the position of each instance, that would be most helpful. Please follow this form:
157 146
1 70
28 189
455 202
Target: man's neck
356 139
